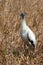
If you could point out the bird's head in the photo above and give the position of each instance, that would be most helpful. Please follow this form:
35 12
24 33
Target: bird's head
22 15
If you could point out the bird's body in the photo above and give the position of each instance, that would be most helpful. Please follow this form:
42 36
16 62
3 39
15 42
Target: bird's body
24 30
27 34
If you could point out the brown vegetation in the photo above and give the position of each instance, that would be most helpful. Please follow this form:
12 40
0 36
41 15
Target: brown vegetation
11 44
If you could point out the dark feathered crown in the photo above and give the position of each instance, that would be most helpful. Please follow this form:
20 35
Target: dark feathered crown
22 15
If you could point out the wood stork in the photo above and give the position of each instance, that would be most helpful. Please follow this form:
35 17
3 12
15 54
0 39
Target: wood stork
26 33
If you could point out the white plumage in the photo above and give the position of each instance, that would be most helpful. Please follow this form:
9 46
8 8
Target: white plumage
26 33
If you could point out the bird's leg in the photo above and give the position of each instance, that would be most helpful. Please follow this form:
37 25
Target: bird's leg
30 57
25 49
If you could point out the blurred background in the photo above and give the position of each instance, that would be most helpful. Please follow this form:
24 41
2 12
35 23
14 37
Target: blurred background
11 44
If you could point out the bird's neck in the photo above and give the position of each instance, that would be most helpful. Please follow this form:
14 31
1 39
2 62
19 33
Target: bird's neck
23 24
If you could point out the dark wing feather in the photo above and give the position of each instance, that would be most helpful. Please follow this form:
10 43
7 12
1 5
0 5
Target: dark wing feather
32 43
